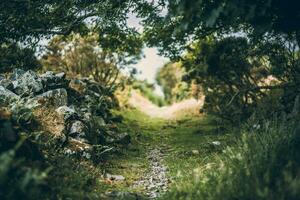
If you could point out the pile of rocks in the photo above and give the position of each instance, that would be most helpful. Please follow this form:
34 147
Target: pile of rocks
73 100
156 181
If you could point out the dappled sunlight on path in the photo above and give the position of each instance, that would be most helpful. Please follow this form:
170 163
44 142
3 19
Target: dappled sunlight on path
189 106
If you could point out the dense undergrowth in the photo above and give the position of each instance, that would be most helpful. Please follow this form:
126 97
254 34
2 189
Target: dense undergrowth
263 164
258 161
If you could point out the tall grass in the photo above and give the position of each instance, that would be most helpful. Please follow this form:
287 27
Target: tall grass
264 164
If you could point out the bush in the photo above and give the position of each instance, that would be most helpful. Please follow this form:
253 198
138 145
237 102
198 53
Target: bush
12 56
22 167
265 164
20 177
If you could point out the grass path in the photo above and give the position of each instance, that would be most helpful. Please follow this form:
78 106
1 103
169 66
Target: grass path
164 154
173 111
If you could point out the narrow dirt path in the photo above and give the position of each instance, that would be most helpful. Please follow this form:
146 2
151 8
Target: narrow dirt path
190 106
156 181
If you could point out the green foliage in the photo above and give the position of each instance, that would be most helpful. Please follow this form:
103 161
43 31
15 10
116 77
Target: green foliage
237 75
263 165
20 175
13 56
188 21
169 77
30 20
181 91
82 56
69 179
232 71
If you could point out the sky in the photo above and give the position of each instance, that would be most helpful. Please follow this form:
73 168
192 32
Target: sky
151 61
149 65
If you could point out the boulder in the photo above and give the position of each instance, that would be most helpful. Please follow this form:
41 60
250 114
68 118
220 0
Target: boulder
53 81
118 138
2 77
115 177
6 83
78 130
55 98
7 97
61 75
17 73
67 113
98 121
27 83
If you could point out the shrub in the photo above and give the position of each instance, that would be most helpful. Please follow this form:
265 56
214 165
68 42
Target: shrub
20 176
82 56
13 56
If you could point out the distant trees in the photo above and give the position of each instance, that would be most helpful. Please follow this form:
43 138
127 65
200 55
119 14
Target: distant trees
230 47
82 56
169 77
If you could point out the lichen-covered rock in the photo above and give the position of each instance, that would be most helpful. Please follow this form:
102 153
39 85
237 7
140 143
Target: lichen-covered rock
17 73
117 138
55 98
98 121
7 97
78 130
53 81
6 83
67 113
27 83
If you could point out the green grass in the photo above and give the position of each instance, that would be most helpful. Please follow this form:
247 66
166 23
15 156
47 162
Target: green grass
179 138
264 164
249 164
255 164
191 147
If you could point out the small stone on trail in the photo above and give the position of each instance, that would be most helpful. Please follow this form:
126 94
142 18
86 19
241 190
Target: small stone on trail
77 129
115 177
195 152
67 112
156 181
56 97
216 143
